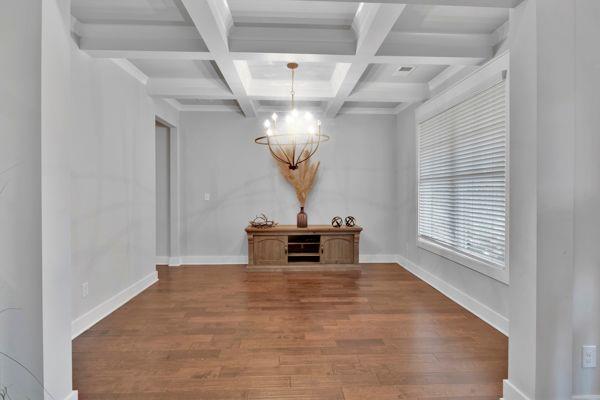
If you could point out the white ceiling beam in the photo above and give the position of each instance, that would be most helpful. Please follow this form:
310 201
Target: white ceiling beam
209 108
471 48
189 88
140 41
372 24
401 107
450 75
213 20
131 69
280 44
467 3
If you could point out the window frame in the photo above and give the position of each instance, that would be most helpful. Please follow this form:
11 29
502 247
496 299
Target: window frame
480 80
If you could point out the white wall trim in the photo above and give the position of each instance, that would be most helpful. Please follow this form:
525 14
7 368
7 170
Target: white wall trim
586 397
220 260
378 258
511 392
131 69
213 260
87 320
496 320
175 262
74 395
162 260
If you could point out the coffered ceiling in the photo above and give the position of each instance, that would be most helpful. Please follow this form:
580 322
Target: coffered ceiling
230 55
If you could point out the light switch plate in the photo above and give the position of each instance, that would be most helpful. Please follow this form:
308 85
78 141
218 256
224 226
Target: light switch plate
589 357
207 196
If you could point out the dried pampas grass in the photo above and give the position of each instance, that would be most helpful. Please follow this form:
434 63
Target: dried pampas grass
302 179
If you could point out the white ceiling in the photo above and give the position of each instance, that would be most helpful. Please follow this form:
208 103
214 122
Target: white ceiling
231 55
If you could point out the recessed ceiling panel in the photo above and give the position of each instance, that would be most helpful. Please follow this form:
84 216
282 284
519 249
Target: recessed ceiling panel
389 73
450 19
278 12
199 69
278 71
284 105
150 12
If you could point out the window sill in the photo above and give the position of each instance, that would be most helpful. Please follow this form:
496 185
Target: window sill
483 267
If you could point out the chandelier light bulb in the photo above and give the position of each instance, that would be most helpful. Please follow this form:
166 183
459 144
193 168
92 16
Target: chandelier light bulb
295 140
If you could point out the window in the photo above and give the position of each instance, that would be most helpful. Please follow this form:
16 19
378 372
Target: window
462 179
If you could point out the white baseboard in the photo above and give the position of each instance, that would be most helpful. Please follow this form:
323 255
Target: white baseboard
221 260
213 260
162 260
378 258
87 320
73 396
510 392
482 311
175 261
586 397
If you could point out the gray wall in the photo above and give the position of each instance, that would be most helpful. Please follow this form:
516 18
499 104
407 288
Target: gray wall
20 195
162 192
218 156
113 181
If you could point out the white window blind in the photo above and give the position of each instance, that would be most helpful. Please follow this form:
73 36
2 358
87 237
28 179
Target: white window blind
462 170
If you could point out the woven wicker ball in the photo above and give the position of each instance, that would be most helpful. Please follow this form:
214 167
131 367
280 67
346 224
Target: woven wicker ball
350 221
337 222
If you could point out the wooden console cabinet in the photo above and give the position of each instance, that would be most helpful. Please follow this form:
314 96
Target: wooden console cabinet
286 247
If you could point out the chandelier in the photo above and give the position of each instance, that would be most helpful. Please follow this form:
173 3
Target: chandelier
295 139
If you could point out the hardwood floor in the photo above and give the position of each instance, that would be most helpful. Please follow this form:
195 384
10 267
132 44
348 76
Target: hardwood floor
222 333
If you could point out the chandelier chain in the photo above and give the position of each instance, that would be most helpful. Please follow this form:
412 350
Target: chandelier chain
292 92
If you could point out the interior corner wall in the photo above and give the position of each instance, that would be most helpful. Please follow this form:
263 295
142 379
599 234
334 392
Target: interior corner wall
218 157
482 289
113 198
20 197
163 228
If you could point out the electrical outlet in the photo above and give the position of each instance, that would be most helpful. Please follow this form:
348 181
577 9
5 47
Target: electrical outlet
588 357
85 289
207 196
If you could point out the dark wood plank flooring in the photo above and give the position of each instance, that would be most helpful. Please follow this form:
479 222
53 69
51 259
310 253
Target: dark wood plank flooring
223 333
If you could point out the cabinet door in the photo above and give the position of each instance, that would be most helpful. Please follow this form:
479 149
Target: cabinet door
338 249
270 250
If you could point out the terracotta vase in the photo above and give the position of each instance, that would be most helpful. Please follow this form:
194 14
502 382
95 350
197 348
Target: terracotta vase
302 219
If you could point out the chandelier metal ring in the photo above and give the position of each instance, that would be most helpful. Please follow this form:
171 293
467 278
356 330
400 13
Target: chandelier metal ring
297 138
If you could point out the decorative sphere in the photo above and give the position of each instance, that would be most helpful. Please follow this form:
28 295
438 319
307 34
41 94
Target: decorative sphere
337 222
350 221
